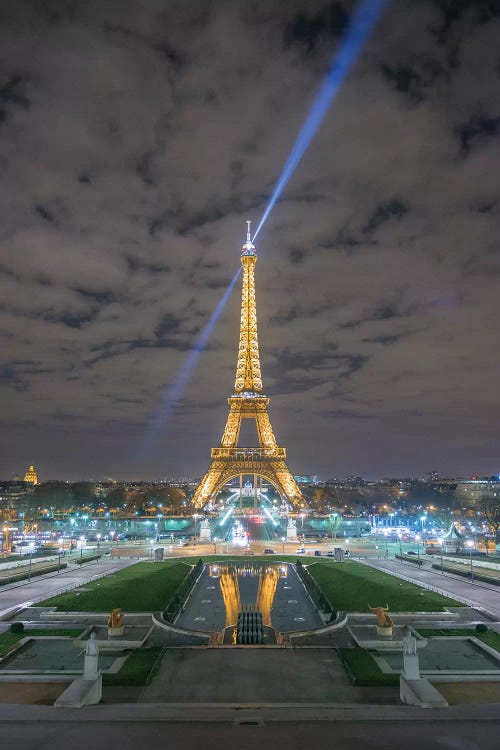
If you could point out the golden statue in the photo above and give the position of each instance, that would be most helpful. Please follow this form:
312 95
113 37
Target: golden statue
383 619
115 619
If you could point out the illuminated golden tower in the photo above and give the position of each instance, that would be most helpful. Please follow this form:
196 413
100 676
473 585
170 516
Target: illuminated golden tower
31 475
248 402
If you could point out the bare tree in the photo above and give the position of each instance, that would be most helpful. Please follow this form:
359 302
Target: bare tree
490 508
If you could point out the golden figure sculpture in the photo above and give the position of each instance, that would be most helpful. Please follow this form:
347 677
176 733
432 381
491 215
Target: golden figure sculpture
383 619
115 619
267 460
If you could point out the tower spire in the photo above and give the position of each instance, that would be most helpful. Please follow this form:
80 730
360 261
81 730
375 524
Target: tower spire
248 376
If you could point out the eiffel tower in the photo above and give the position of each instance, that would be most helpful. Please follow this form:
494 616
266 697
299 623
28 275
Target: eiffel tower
268 460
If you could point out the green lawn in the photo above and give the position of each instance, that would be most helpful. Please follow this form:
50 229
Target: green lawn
8 638
351 587
145 587
364 670
139 669
490 637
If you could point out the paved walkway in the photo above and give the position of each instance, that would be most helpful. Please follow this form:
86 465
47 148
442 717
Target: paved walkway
258 675
24 593
482 596
246 729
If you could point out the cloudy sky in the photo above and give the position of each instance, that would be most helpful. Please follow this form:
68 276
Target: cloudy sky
136 138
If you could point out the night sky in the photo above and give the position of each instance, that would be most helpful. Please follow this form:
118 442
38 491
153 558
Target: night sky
137 137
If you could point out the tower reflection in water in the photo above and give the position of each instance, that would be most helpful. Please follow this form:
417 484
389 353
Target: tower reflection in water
229 575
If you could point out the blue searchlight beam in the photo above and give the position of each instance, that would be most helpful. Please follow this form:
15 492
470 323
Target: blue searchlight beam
175 391
365 17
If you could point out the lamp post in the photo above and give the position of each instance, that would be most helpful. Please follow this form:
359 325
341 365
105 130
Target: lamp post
470 545
31 556
195 516
59 560
441 542
417 539
283 544
82 539
98 542
400 547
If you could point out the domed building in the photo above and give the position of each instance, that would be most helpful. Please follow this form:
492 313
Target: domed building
31 475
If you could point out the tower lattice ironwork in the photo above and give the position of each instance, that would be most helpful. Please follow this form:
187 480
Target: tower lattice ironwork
267 460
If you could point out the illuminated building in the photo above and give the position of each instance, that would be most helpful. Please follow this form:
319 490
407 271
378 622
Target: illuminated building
266 461
31 475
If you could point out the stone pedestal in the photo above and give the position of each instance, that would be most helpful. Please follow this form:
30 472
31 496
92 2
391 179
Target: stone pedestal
81 693
411 670
113 632
291 530
385 632
205 533
420 693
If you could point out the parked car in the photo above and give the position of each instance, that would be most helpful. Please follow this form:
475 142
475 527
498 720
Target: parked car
269 551
248 552
330 554
317 553
300 551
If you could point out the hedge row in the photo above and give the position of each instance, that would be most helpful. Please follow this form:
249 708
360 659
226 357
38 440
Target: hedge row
467 574
180 595
35 572
314 590
409 558
89 558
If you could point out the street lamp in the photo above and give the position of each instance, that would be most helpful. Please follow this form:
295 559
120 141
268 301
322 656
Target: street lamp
470 545
441 542
400 547
195 516
283 544
59 551
82 539
417 539
98 537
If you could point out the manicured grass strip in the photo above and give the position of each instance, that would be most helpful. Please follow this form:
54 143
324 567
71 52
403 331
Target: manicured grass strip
363 670
139 669
351 587
144 587
490 637
8 638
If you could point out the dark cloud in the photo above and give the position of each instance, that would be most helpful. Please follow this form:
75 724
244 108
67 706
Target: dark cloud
137 138
476 130
385 212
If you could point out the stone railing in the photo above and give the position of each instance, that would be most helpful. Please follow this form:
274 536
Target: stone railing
249 454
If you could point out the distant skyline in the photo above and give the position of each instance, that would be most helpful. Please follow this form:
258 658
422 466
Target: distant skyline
137 138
